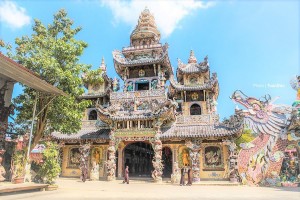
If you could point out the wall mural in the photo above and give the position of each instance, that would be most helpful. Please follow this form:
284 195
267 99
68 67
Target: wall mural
74 158
213 158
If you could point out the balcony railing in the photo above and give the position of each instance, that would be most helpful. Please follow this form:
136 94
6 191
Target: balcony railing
141 47
117 96
197 119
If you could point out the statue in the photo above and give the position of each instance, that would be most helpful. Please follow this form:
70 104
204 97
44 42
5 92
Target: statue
185 158
94 176
154 84
175 177
129 86
116 85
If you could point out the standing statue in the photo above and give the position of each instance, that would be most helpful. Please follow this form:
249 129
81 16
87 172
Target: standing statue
175 177
269 122
84 157
116 84
95 171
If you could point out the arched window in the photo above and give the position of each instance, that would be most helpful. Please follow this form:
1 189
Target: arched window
195 109
93 115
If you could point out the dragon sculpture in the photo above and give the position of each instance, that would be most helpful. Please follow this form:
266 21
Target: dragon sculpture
263 156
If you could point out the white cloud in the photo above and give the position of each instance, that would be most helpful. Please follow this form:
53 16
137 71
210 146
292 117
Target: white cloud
167 13
13 15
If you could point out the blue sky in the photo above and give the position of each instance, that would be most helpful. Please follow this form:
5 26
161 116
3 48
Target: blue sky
252 45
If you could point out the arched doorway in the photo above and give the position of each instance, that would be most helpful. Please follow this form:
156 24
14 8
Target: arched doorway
138 157
167 161
195 109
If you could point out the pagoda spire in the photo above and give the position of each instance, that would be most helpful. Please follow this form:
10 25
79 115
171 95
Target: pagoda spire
192 58
103 66
145 32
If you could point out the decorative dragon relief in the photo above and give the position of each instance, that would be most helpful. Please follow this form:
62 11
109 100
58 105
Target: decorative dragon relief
84 157
194 147
270 123
157 159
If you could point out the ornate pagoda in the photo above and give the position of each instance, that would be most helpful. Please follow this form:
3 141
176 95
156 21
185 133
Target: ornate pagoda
152 130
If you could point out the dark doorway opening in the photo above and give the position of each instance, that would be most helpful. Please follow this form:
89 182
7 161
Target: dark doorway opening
138 157
195 109
167 161
142 86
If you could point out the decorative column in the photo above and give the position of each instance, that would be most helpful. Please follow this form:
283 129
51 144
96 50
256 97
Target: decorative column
120 161
84 157
175 176
194 146
111 161
157 159
232 161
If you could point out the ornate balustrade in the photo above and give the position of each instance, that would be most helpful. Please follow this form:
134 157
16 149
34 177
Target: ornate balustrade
117 96
197 119
141 47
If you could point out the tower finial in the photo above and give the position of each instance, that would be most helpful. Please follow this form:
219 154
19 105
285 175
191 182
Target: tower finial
192 58
103 66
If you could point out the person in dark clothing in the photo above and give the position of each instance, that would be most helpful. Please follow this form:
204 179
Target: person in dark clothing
189 177
182 177
126 175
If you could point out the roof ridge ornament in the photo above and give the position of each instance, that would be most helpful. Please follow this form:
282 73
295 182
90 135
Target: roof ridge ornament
192 58
103 65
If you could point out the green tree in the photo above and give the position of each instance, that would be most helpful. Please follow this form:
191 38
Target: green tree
52 53
247 136
50 168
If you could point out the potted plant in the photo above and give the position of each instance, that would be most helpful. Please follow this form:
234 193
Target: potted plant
50 168
19 161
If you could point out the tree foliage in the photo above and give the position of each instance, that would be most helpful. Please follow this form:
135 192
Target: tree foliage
247 136
52 52
50 168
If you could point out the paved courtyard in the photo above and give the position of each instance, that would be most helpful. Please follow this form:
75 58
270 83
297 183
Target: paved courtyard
72 189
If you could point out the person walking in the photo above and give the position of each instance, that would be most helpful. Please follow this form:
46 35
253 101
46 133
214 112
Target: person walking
126 175
182 177
189 177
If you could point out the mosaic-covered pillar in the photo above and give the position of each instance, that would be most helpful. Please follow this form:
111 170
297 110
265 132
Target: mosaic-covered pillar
157 159
194 151
175 176
232 164
84 157
111 160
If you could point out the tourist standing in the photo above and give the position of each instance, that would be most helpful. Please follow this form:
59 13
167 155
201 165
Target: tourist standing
189 177
126 175
182 177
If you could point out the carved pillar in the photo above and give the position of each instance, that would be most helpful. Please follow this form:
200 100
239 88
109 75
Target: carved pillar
175 176
194 151
232 161
157 159
120 161
84 158
111 161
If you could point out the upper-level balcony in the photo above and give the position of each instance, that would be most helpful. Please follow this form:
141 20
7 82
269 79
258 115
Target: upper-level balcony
204 119
140 94
134 48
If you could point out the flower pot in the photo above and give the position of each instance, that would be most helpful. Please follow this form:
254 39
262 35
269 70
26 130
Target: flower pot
18 180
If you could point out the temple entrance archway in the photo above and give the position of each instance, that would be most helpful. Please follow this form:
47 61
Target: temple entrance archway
138 156
167 161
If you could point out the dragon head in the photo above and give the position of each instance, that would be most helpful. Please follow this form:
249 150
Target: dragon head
257 108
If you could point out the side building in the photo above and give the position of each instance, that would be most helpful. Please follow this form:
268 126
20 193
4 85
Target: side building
153 130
